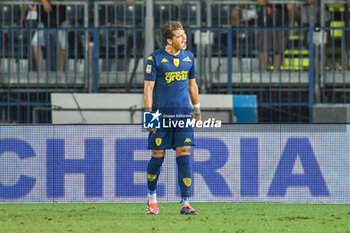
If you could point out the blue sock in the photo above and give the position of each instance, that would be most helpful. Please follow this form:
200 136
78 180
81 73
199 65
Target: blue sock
185 199
153 170
151 192
184 175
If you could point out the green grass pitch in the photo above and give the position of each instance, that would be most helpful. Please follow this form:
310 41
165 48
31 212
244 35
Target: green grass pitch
213 217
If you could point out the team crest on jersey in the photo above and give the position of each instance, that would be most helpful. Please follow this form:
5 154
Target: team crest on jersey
176 62
148 69
164 60
158 141
187 59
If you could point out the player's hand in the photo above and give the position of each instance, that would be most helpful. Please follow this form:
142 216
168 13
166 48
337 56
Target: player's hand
197 117
152 130
47 6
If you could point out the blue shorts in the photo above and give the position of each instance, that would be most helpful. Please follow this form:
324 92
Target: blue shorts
171 138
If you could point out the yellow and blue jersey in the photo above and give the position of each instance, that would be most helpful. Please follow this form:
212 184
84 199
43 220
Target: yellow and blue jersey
171 75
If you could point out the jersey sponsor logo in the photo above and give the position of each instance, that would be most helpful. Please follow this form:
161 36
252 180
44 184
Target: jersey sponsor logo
150 58
151 177
187 140
178 76
158 141
148 69
164 60
187 181
187 59
176 62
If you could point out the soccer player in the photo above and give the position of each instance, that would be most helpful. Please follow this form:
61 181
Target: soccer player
169 84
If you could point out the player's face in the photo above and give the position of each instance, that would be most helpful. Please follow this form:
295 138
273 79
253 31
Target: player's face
179 39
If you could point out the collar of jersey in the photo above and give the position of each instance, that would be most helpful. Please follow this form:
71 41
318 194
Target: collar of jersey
172 54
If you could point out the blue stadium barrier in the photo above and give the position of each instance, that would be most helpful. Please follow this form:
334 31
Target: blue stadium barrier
334 74
112 59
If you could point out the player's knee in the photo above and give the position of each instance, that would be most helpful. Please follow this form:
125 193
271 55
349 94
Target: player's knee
185 150
158 153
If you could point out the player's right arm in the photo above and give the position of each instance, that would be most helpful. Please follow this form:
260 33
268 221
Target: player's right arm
148 98
150 80
148 95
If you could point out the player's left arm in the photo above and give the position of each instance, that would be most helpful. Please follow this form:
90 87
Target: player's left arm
194 96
